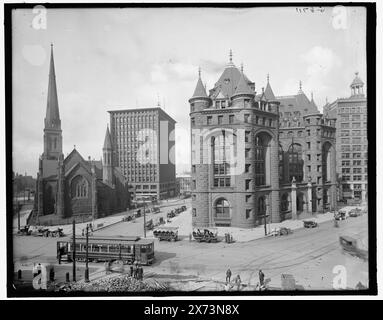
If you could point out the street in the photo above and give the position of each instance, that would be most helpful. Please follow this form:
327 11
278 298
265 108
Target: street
310 255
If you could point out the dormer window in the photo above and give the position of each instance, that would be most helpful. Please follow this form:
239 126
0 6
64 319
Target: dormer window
226 81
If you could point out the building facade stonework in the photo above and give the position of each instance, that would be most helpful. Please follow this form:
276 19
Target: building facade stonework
258 158
351 141
72 186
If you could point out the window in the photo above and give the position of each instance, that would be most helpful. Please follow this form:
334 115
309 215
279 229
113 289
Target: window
220 119
260 155
345 163
248 198
192 122
345 170
248 212
231 118
222 209
345 125
194 212
247 167
357 170
247 184
295 162
246 118
247 153
209 120
247 136
80 187
308 145
193 168
345 155
356 148
356 125
221 165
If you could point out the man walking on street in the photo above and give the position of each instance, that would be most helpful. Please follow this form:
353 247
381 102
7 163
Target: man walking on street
228 275
261 278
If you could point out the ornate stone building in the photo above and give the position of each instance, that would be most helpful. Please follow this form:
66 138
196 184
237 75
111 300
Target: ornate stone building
258 157
73 186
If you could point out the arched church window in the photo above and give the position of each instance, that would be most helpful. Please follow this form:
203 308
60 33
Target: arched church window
79 187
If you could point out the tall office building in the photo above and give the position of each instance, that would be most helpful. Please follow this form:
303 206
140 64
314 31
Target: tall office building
351 141
143 147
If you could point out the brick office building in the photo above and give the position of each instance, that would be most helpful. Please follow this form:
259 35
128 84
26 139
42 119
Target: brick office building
143 147
286 146
351 142
72 186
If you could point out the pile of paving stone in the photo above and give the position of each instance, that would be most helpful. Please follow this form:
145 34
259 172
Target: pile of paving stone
122 283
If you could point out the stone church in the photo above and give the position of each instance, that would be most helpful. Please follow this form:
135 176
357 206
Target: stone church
73 186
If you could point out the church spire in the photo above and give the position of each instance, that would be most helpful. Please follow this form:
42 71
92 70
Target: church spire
107 140
52 118
52 127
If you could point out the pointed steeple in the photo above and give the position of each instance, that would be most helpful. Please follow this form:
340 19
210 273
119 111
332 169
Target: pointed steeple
269 94
52 118
300 87
108 140
200 91
242 86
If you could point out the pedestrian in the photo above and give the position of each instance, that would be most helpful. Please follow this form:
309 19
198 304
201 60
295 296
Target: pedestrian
131 271
261 278
238 282
34 270
190 237
228 275
107 267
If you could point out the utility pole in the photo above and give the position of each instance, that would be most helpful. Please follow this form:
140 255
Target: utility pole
74 250
18 215
86 255
144 219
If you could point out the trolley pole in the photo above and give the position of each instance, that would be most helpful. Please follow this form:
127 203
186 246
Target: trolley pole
74 250
86 255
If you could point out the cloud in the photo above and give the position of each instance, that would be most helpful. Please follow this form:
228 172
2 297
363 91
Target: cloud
320 61
173 71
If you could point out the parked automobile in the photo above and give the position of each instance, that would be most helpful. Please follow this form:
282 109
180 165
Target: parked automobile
309 224
155 209
207 235
166 233
24 231
138 213
340 215
355 212
282 231
149 225
349 245
171 214
183 208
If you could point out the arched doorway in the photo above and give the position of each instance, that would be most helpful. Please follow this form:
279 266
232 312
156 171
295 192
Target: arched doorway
222 212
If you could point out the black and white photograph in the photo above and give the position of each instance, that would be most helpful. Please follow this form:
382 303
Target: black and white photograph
190 149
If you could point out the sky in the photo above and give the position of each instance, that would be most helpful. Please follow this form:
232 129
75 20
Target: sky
108 59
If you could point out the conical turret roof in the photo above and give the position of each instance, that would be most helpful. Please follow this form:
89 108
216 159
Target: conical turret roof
199 91
243 87
357 81
108 140
269 94
52 118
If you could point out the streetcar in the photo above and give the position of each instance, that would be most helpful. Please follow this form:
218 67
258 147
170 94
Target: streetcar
128 249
